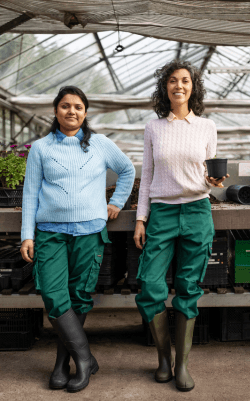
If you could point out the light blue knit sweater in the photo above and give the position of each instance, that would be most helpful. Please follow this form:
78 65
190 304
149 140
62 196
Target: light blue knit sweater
65 184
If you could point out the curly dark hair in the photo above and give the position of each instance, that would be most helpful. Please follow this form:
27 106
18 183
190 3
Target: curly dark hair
161 102
87 130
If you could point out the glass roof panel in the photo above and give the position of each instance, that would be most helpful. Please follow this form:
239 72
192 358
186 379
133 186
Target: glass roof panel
40 64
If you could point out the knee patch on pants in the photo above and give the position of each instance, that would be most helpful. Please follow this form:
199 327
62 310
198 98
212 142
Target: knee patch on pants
185 286
56 303
150 300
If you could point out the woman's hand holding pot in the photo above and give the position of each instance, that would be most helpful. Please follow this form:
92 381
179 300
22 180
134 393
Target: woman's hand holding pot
113 212
217 182
27 250
140 233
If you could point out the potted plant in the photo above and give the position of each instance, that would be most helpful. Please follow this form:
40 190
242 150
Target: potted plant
216 168
12 172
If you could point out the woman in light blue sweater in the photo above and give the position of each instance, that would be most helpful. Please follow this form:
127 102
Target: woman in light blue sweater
64 197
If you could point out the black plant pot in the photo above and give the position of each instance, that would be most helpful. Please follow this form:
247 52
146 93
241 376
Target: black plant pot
239 194
216 168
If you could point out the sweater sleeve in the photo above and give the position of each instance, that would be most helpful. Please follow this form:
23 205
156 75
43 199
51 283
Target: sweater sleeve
146 176
32 186
117 161
211 149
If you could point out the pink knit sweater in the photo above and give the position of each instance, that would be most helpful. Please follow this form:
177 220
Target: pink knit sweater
174 168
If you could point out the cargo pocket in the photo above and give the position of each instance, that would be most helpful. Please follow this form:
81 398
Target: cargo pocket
35 272
208 254
105 237
94 272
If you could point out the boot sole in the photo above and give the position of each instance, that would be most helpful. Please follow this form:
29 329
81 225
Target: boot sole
184 389
93 372
57 388
164 381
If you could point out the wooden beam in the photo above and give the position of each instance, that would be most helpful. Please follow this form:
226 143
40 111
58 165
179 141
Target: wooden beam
207 57
178 50
68 68
109 66
3 123
24 126
114 301
234 152
30 140
233 142
22 113
231 86
100 103
236 70
225 217
12 125
15 22
227 149
112 73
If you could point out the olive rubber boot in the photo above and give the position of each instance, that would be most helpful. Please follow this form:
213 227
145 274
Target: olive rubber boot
60 375
184 329
159 328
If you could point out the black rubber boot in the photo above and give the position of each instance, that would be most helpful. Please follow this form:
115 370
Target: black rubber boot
82 318
60 375
74 338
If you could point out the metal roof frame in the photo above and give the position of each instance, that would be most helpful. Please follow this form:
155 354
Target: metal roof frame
125 70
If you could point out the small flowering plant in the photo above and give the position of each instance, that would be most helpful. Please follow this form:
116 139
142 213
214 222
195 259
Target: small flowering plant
13 167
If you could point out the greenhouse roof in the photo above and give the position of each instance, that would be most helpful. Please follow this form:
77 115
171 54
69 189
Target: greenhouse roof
114 47
40 64
204 22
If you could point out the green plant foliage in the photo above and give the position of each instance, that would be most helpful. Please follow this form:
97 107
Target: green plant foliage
12 170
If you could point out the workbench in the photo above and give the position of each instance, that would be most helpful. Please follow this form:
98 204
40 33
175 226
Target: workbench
226 216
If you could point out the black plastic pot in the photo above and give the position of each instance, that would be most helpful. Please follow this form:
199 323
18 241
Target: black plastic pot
239 194
216 168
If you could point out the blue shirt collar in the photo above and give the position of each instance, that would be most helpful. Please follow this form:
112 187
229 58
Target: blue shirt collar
60 136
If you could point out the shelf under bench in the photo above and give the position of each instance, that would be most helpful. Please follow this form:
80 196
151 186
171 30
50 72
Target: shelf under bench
128 301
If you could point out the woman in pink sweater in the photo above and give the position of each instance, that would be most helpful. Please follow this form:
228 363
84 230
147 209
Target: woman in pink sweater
175 187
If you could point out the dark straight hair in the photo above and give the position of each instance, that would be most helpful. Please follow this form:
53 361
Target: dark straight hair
87 130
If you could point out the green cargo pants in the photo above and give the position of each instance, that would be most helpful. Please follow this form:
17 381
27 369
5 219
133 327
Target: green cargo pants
189 227
66 269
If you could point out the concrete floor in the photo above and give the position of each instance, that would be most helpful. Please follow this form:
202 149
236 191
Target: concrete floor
220 370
